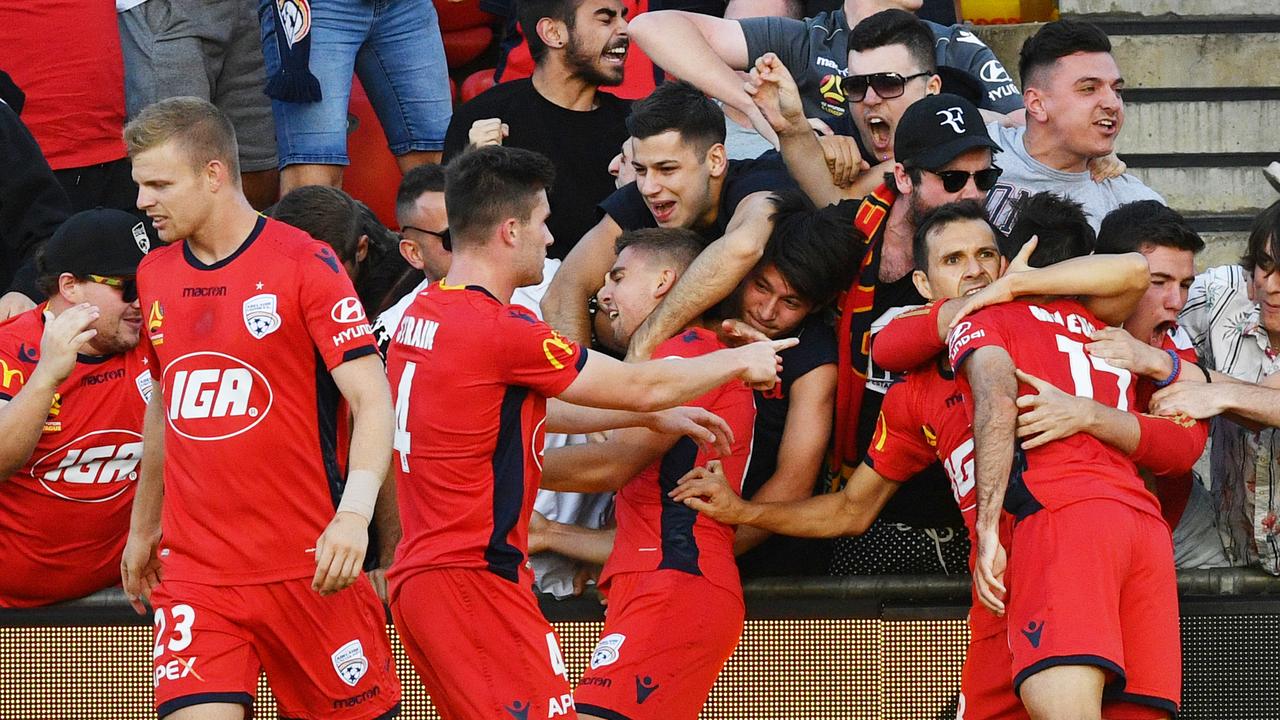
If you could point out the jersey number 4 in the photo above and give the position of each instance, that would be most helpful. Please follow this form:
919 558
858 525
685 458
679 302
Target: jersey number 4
401 441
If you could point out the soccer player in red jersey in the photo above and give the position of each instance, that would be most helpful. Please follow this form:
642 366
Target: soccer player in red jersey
472 375
254 335
73 387
926 418
1092 610
675 598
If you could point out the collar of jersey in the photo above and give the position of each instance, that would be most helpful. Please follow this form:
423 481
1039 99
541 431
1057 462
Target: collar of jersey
444 285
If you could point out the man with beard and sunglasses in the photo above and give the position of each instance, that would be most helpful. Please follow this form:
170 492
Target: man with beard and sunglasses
73 388
578 46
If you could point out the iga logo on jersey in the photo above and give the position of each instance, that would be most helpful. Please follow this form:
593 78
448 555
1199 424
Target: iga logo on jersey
260 316
213 396
95 467
347 310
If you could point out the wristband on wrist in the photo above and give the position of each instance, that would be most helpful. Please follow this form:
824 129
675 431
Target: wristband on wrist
1207 378
1177 369
361 493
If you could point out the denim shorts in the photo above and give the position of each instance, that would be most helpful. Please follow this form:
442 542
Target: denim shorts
394 47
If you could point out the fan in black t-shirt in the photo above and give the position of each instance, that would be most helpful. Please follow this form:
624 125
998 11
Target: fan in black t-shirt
559 111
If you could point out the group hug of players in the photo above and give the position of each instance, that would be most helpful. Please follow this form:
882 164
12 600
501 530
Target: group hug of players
242 355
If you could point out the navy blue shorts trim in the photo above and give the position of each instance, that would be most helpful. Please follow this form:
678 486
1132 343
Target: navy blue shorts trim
1045 664
176 704
598 711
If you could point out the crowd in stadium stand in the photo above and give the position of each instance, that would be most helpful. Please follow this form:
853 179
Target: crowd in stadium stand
692 295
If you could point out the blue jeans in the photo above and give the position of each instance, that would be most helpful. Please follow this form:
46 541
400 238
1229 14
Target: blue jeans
394 47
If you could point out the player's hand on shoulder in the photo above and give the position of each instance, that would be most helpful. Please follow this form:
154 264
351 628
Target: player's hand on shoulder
14 303
64 336
1119 348
140 571
1050 414
1106 167
706 489
736 333
698 423
340 553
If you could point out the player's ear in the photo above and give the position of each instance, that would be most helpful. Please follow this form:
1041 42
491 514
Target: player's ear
412 254
552 32
921 281
508 230
362 248
666 280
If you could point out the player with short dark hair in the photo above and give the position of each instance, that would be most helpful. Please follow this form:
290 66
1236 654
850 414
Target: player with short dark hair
683 108
1099 623
255 335
472 377
1060 224
675 596
73 389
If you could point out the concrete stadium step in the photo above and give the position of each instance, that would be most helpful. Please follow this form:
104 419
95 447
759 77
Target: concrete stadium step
1202 120
1221 248
1206 189
1181 8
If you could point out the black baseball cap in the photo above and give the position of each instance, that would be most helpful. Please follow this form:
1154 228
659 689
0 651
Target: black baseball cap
101 241
937 128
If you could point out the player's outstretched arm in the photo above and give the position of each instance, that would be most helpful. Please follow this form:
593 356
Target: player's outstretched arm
849 512
660 384
22 418
595 467
140 565
711 277
1110 286
698 423
580 276
704 50
588 545
1255 404
340 549
990 373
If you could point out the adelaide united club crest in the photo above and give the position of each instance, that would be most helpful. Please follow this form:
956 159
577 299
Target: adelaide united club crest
260 316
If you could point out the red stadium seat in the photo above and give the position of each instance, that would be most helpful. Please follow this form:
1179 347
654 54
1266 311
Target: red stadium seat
476 83
373 175
466 29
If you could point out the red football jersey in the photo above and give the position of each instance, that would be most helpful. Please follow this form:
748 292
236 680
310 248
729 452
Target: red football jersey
1047 340
655 532
471 377
79 477
243 349
924 419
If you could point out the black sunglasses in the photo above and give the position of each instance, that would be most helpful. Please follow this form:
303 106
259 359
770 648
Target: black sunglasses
886 84
443 235
953 181
127 286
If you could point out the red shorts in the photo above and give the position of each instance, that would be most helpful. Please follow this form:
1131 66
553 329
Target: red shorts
1093 583
986 686
325 657
481 646
666 636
